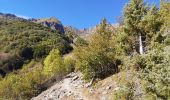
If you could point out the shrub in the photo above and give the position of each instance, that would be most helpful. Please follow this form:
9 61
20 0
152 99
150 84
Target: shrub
80 42
69 64
22 85
124 93
156 74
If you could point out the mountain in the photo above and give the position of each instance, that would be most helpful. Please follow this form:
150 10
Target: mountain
51 22
56 24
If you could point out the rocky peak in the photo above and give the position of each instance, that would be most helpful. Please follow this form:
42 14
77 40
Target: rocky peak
51 22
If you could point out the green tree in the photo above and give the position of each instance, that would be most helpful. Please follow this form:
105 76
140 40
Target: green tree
102 26
97 59
54 64
134 11
151 24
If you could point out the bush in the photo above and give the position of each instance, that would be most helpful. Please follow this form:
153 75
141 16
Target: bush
80 42
156 74
69 64
124 93
22 85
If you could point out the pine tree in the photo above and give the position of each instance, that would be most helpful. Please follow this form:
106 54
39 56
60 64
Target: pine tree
102 26
133 14
104 29
151 24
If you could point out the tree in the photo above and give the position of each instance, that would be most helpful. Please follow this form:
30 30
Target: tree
102 26
133 14
97 58
54 64
151 24
103 29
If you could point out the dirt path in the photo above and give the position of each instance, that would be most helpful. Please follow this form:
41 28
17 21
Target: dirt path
72 87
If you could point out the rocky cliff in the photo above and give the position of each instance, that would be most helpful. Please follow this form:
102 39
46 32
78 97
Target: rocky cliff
51 22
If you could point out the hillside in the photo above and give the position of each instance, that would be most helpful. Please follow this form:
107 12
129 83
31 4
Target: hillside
22 41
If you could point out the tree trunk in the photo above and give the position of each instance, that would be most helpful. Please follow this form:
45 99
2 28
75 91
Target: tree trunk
141 51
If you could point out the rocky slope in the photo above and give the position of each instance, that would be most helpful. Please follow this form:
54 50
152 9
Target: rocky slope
73 87
51 22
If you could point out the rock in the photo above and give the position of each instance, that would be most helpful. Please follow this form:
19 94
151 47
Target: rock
69 93
87 85
108 87
51 22
75 78
53 90
91 90
68 76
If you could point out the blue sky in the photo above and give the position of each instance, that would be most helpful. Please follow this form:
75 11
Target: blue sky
77 13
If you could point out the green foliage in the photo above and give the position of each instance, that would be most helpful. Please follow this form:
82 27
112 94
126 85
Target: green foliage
54 64
80 42
97 59
124 93
102 27
69 64
167 40
28 82
142 20
153 67
151 24
24 40
134 11
157 73
165 15
123 43
23 84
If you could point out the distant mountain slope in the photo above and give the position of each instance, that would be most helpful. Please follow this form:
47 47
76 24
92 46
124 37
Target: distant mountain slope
10 17
22 40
